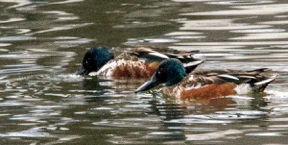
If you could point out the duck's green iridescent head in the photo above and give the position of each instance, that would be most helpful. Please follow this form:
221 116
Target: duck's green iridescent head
94 59
170 72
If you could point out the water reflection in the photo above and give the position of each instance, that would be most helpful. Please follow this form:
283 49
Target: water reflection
11 20
43 102
217 24
267 9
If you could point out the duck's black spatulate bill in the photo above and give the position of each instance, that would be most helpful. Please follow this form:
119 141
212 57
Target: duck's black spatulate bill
151 83
82 71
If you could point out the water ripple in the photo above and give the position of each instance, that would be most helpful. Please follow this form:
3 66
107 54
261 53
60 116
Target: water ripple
269 9
217 24
12 20
212 135
44 102
33 132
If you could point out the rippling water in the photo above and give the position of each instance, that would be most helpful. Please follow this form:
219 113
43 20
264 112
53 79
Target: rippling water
43 102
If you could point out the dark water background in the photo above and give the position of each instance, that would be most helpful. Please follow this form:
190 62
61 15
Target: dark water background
43 102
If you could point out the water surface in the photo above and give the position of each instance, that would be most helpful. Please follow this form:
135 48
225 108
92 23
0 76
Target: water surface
43 102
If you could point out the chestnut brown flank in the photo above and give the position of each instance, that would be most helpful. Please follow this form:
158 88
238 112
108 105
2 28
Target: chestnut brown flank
210 91
135 70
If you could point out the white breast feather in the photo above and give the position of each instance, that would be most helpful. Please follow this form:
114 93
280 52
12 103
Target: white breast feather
108 68
191 78
178 90
197 86
243 89
93 73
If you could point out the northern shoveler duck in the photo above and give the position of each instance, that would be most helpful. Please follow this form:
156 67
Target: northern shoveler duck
137 62
206 84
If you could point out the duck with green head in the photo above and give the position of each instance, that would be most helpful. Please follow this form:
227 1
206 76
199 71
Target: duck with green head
138 62
205 83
